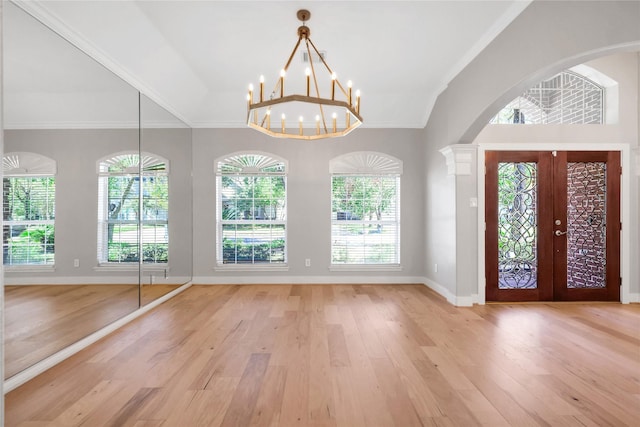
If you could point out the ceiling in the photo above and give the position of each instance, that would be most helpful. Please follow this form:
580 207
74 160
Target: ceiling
196 58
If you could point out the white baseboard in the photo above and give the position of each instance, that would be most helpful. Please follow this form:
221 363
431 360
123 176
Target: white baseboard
465 301
304 280
634 297
35 370
158 279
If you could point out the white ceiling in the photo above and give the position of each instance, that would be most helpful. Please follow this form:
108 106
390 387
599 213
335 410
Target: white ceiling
196 58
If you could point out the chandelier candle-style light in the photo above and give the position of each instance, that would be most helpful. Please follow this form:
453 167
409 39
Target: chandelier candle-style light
308 115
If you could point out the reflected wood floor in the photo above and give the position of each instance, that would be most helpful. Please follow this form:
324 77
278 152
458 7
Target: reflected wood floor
349 355
43 319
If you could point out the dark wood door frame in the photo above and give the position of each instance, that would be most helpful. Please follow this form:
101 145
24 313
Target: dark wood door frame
552 262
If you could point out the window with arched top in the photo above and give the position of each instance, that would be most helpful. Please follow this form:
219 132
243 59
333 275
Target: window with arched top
28 210
566 98
251 190
123 182
365 209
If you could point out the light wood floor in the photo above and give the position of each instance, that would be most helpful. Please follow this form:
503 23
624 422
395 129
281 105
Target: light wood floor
351 356
41 320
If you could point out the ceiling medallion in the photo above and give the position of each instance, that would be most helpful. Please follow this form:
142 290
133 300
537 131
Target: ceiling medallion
308 115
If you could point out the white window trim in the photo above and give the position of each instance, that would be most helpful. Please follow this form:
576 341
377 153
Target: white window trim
27 268
131 266
367 163
24 164
254 171
145 158
365 267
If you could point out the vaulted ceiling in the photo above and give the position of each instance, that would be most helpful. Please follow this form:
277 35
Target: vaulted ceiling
196 58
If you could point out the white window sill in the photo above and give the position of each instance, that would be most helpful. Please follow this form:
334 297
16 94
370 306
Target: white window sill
134 266
251 267
29 268
365 267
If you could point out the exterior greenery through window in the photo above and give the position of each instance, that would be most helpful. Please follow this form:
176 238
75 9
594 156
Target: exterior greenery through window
28 214
251 223
119 201
28 209
365 217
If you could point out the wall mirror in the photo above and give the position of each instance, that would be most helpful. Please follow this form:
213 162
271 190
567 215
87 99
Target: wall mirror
84 194
165 144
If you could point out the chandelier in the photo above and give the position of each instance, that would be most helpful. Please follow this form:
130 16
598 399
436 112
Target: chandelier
325 109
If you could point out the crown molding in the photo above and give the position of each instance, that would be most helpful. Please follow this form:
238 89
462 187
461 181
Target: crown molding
38 10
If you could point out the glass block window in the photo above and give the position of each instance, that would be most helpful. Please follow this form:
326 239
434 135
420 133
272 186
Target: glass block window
28 192
566 98
365 209
251 191
120 186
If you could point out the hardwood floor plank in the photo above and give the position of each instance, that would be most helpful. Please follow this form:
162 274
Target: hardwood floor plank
348 410
127 413
102 413
321 405
338 354
398 402
370 396
295 404
344 356
448 370
82 408
420 393
508 407
268 407
295 401
482 409
245 398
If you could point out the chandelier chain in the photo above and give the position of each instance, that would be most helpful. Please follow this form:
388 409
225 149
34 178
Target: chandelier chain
315 83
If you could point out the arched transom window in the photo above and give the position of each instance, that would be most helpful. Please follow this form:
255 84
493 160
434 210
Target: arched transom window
566 98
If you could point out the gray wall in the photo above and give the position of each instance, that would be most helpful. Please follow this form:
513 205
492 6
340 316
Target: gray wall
546 38
309 202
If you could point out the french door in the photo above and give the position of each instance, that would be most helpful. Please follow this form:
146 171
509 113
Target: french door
552 225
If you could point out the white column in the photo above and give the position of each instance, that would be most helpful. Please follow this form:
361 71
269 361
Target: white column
461 163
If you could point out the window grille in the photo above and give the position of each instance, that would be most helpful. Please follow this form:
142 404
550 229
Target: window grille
365 209
566 98
28 192
251 210
119 189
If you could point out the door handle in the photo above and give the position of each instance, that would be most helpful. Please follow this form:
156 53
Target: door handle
560 233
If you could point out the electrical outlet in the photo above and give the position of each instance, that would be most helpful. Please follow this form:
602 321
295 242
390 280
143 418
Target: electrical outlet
307 262
76 262
435 268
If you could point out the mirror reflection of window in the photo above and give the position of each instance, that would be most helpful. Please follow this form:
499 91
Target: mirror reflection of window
119 206
28 211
